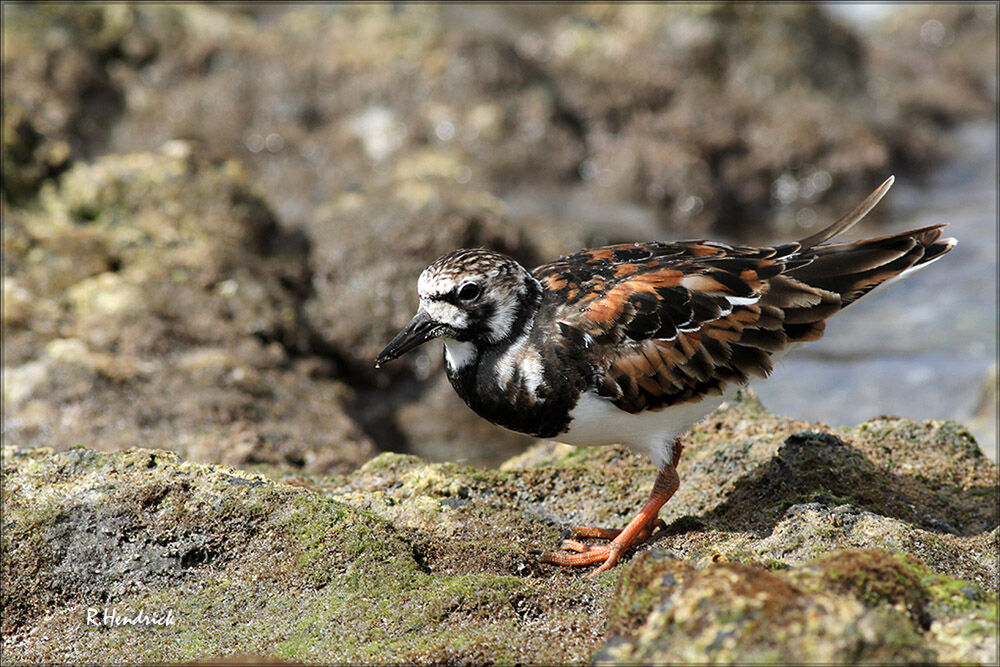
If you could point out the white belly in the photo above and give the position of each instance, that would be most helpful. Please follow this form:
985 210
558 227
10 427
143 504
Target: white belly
596 421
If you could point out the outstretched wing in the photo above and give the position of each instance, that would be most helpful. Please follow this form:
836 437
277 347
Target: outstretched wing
665 323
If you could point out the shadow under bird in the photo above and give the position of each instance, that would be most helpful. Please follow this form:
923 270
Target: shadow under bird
634 343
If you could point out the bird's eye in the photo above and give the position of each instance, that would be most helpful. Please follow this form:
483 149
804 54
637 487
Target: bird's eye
468 291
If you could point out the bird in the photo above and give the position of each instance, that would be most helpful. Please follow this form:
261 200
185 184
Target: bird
634 343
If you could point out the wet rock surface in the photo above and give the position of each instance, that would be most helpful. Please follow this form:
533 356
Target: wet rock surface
409 561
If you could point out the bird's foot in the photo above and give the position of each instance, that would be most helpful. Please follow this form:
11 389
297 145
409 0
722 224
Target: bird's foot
606 554
638 530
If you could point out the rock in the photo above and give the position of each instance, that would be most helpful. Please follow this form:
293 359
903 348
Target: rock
409 561
722 120
920 494
151 299
134 236
954 51
852 606
29 156
245 565
59 94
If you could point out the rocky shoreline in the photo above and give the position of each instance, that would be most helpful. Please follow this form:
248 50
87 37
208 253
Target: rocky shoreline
786 541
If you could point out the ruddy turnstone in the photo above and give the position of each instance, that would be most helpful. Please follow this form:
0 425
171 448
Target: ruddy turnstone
634 343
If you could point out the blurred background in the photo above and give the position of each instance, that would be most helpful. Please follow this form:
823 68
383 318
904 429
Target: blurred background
214 215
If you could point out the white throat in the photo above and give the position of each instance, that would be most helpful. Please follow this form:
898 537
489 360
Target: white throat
458 355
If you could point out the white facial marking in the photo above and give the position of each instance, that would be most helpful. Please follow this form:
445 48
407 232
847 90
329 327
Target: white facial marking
445 313
432 283
502 318
484 314
458 355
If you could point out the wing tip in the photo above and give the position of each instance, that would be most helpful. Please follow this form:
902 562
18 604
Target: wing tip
851 219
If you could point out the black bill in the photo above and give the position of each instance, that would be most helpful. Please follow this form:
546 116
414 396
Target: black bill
420 330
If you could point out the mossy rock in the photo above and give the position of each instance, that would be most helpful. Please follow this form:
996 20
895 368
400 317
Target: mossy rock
252 567
852 606
409 561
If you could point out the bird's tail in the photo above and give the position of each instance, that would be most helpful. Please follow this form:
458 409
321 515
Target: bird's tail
823 279
854 269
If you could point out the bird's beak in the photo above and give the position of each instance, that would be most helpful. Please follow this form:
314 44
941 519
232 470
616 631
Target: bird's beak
420 330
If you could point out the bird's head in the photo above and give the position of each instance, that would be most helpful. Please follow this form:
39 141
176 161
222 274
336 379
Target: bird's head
468 295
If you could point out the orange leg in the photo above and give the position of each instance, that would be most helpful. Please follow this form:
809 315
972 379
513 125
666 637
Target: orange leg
638 530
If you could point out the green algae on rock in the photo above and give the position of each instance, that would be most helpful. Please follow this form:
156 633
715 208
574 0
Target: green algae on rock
249 566
872 611
851 606
409 561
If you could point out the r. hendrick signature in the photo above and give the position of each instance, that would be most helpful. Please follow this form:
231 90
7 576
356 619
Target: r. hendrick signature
112 619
